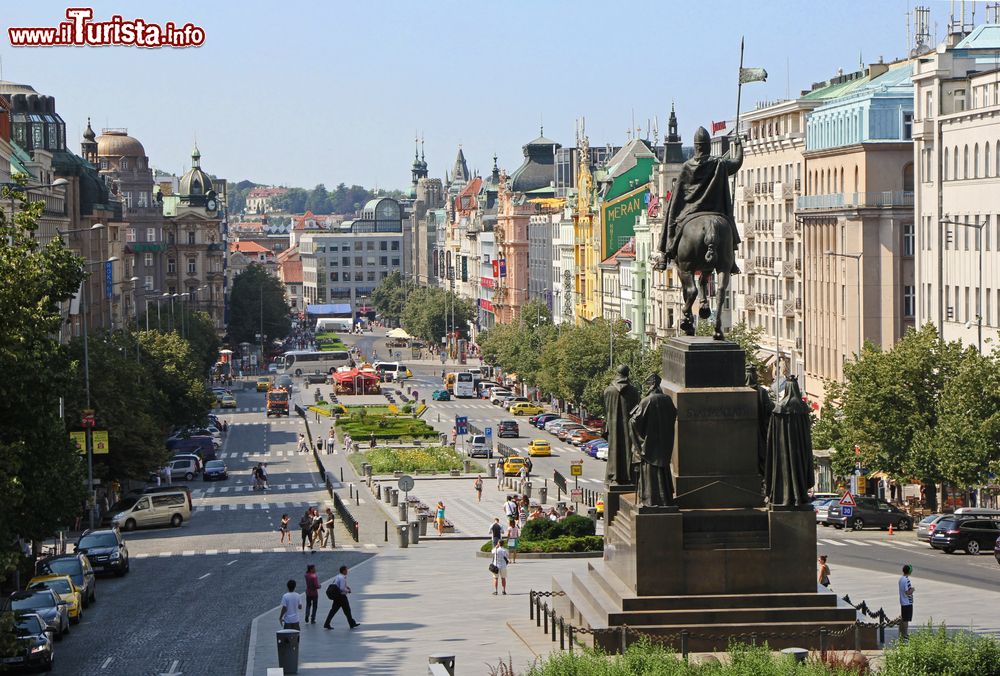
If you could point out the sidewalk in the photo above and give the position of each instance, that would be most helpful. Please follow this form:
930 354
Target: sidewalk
438 599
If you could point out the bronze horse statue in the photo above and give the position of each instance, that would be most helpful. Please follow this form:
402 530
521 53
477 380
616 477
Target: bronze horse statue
700 235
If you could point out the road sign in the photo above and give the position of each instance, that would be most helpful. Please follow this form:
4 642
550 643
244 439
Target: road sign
461 424
848 500
405 483
489 433
576 494
847 510
88 418
576 469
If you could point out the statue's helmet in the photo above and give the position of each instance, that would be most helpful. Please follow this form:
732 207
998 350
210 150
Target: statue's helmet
623 370
702 137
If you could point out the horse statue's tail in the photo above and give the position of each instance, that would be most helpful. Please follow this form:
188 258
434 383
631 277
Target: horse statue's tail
710 243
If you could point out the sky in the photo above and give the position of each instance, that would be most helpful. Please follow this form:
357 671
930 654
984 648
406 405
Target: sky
300 93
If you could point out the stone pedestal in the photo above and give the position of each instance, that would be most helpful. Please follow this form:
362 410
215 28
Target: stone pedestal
614 492
718 565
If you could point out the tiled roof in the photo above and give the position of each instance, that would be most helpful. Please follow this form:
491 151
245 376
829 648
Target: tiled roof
267 192
628 249
291 272
249 247
291 254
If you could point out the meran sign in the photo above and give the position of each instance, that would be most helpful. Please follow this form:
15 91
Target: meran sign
618 219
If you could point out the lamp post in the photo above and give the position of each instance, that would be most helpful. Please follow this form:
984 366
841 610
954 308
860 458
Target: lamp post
857 259
979 286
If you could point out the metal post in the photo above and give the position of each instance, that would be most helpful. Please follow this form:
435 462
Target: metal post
531 604
571 639
624 639
89 436
341 475
881 628
822 643
538 611
684 644
386 531
857 636
545 617
554 625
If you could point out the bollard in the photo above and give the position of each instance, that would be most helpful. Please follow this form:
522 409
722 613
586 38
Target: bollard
527 489
554 624
386 531
624 639
545 617
423 523
571 639
414 532
538 611
822 643
350 490
402 511
684 644
378 491
341 475
357 498
543 494
404 536
395 497
531 605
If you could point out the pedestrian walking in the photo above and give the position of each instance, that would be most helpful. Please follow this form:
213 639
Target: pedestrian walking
317 530
371 441
263 476
167 473
499 475
522 510
305 525
331 442
440 518
291 604
319 444
478 485
498 566
496 531
823 572
328 522
513 535
905 603
337 592
283 530
312 594
510 508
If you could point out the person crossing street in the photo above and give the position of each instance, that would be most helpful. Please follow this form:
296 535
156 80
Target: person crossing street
337 592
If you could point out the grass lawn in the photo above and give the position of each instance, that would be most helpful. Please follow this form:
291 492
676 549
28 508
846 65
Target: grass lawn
410 460
384 427
328 340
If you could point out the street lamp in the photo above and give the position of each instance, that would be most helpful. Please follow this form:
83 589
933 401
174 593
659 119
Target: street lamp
979 287
857 259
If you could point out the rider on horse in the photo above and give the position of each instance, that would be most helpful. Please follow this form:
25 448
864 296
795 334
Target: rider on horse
702 188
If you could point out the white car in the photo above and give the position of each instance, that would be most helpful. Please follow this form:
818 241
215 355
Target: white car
272 368
497 395
554 425
602 453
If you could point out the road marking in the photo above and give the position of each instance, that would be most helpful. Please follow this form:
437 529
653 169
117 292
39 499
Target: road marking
256 551
173 670
107 662
832 542
164 555
211 551
907 544
216 508
884 544
232 562
187 552
204 576
859 544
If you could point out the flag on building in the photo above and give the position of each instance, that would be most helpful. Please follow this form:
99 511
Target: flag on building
718 126
752 75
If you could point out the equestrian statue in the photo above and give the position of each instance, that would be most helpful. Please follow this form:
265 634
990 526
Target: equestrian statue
700 235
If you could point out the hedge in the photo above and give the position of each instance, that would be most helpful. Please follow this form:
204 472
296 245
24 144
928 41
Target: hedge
565 543
361 427
424 459
545 529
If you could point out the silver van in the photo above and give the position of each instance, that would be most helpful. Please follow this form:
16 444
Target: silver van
478 447
184 466
155 509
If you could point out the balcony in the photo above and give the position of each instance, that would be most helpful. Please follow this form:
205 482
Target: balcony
782 190
750 267
744 193
788 269
786 231
788 308
749 302
749 230
856 200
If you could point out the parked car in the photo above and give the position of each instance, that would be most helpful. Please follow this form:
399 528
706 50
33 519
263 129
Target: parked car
479 447
565 430
539 447
497 395
441 395
46 604
215 469
511 401
591 448
272 368
508 428
970 533
186 466
157 509
78 567
525 408
554 424
602 453
63 586
927 525
105 549
578 437
542 418
32 644
204 446
317 377
821 507
869 512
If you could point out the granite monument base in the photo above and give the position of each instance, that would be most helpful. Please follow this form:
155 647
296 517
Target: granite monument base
611 497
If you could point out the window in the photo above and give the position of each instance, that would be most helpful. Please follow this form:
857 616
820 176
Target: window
143 198
946 175
148 283
909 300
147 260
104 163
383 245
908 239
359 276
170 237
171 290
371 275
975 161
172 266
192 265
334 276
383 261
128 199
130 234
395 262
959 100
395 245
191 237
907 126
358 245
371 245
345 261
358 261
965 162
986 160
150 234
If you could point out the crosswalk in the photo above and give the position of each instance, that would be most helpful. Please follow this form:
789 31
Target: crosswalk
257 455
280 549
200 506
246 488
869 543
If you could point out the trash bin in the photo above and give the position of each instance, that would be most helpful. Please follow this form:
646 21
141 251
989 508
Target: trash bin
592 513
395 497
543 494
288 650
378 491
423 524
414 532
402 511
387 494
468 465
404 535
493 469
527 489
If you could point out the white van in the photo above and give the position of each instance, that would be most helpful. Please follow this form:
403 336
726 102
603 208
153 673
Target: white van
478 447
154 509
393 369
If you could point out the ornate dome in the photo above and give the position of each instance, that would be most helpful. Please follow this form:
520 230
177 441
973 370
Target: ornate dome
116 143
538 170
195 182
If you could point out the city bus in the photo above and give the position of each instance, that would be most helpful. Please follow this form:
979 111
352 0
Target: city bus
463 386
297 362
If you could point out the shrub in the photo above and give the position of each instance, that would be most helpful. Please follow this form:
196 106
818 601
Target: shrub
572 526
539 529
425 459
565 543
407 408
577 526
932 651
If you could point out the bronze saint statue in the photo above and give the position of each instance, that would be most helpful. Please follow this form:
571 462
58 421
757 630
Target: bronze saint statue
652 428
788 473
764 408
700 234
620 398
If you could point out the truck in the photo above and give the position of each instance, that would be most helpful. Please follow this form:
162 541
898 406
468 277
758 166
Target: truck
277 401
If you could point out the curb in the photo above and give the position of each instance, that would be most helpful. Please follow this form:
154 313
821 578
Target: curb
548 555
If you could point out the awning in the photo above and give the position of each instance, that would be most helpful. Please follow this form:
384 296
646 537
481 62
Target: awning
399 333
330 309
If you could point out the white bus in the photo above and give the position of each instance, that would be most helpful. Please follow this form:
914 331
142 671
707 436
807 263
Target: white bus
464 386
342 324
297 362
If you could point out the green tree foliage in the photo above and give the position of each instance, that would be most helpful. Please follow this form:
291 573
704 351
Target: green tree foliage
292 202
236 195
346 200
319 201
389 297
518 346
257 300
199 331
40 470
431 313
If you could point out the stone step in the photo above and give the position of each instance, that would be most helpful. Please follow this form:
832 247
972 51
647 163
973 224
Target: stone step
729 616
576 608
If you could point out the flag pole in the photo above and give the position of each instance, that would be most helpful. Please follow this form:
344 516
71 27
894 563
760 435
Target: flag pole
736 128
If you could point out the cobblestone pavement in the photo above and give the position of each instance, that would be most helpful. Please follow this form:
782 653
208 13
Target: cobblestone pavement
187 604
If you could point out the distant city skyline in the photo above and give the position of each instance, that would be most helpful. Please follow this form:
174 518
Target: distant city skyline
292 94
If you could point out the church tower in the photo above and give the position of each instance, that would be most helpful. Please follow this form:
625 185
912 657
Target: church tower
88 147
673 153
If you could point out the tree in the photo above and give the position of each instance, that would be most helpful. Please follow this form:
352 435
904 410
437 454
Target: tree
389 297
292 202
318 201
518 346
432 313
200 333
41 477
256 302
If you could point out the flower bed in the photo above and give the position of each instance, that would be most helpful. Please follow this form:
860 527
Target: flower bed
409 460
361 427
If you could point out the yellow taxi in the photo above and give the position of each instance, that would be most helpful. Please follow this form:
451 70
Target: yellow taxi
263 384
227 401
67 591
539 447
512 465
526 408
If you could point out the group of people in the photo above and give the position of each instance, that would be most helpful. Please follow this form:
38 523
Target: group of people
337 591
259 472
904 584
316 528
